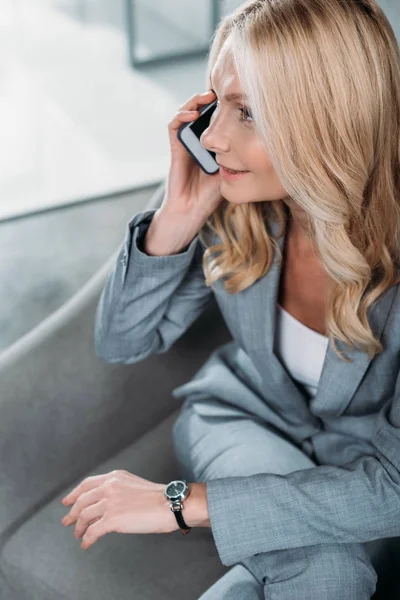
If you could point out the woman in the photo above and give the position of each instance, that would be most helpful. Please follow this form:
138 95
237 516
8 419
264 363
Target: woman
290 447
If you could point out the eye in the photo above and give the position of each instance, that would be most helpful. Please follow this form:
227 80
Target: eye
246 114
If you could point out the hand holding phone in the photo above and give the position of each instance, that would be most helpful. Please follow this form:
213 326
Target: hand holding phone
191 193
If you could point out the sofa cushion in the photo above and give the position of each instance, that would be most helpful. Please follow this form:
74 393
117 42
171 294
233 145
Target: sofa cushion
43 560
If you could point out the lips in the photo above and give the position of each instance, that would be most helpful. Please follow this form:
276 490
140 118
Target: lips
233 170
232 176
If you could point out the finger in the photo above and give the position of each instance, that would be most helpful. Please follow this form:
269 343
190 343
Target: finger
197 100
88 515
94 532
182 117
189 111
85 499
85 485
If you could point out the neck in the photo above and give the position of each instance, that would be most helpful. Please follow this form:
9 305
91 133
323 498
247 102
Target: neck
297 231
298 218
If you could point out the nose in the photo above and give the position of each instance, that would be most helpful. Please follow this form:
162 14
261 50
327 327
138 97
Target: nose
213 140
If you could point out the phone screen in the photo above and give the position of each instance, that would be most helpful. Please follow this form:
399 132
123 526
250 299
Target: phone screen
202 123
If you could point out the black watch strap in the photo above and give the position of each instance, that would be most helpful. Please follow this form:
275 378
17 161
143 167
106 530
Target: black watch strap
181 521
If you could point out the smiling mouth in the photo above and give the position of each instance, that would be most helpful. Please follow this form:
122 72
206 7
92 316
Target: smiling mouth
232 176
232 170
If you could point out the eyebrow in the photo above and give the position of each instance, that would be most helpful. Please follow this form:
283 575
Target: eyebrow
231 97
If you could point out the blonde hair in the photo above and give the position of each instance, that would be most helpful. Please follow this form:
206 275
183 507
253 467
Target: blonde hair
323 82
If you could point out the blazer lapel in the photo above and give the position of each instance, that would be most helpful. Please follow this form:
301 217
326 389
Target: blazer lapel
257 306
339 380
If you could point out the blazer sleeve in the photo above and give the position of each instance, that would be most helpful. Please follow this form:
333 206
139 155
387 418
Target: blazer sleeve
148 302
356 502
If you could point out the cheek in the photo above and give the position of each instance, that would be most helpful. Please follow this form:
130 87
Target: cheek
264 175
256 159
260 166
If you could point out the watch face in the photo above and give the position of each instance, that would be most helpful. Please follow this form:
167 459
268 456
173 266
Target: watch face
175 488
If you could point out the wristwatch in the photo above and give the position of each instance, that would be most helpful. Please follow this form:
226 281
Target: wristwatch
176 491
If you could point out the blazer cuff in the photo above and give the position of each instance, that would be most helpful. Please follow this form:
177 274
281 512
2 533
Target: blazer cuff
134 240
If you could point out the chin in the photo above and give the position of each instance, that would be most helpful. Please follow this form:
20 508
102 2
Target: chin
235 196
240 200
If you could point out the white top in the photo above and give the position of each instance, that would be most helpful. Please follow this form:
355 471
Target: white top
301 349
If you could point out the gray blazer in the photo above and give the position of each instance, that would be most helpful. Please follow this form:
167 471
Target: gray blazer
351 428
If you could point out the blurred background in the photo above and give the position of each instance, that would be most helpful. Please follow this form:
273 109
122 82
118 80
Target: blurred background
87 88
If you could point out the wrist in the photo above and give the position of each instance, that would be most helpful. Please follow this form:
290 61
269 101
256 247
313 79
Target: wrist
167 235
195 506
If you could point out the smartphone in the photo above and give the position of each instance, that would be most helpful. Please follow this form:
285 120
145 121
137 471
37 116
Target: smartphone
189 135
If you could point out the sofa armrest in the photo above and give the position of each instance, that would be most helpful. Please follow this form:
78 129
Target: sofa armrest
63 410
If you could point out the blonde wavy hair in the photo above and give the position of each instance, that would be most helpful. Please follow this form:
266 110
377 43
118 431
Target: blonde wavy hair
323 82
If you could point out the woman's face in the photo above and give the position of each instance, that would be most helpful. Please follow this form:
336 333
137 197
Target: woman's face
232 136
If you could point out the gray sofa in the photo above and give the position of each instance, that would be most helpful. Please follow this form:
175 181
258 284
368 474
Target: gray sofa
65 414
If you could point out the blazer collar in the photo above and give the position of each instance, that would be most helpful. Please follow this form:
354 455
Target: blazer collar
257 306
